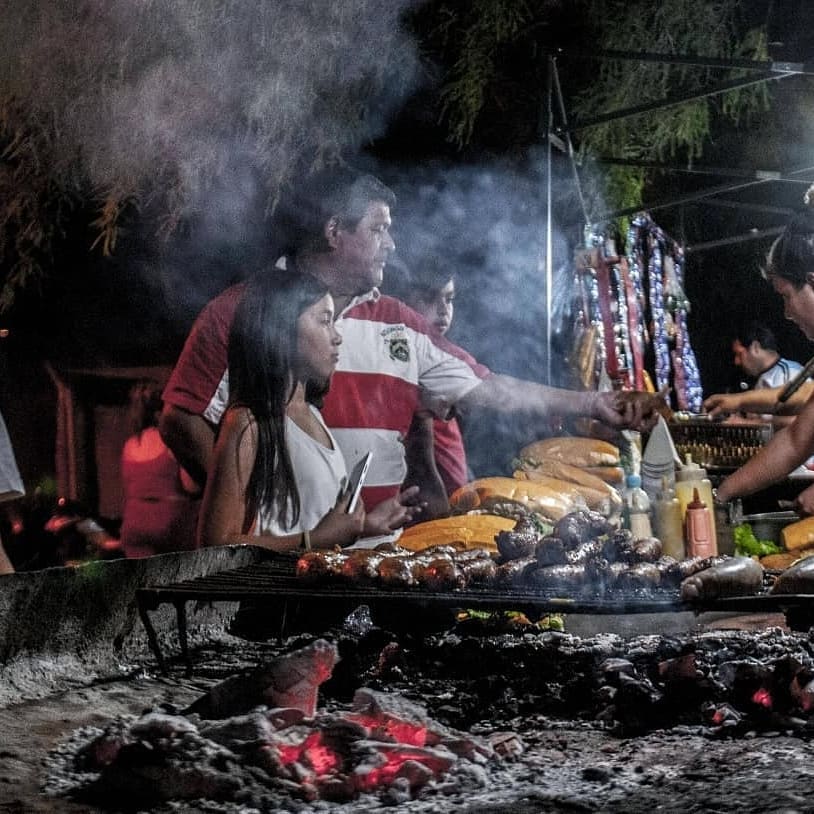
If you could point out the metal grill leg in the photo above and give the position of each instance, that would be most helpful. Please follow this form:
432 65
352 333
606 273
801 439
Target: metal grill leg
183 639
152 639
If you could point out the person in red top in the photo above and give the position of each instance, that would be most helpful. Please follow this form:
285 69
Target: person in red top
429 287
161 500
390 365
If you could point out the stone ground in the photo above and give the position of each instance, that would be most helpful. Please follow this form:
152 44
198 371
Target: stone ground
567 766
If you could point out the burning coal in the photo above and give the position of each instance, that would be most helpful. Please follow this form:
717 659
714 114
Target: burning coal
383 744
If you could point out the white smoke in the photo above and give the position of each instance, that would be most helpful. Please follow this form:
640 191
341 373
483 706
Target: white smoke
168 96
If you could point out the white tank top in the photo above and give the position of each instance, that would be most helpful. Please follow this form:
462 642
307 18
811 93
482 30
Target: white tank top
320 474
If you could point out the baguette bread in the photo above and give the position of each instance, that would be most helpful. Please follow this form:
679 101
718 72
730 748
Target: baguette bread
572 474
573 450
470 530
537 497
614 475
798 536
783 560
597 499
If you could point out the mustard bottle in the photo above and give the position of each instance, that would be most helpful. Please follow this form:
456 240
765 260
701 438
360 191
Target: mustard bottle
668 521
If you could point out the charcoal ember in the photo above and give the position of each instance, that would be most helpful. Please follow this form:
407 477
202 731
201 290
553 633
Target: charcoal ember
155 725
612 668
551 551
679 668
419 765
386 711
722 715
292 680
580 526
520 542
241 729
160 766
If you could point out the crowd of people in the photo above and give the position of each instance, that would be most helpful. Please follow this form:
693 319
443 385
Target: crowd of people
391 368
287 379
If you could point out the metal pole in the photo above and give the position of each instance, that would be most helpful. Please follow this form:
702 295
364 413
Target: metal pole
549 261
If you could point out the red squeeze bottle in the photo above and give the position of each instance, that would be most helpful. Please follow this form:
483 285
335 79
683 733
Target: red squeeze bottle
698 528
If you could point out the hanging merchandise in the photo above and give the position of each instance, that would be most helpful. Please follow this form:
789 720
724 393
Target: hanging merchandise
634 308
674 361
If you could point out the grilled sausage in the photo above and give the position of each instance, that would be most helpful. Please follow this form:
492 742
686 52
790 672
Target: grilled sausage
736 576
797 579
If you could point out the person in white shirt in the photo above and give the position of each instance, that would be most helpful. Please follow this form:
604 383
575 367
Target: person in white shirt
277 475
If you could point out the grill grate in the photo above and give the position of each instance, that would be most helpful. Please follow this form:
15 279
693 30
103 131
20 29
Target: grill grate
274 580
714 445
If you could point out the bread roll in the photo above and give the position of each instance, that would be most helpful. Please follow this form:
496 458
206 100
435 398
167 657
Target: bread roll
573 450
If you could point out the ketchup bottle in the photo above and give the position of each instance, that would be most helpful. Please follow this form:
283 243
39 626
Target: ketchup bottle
698 533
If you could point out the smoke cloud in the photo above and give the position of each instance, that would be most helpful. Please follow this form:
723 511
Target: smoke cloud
177 97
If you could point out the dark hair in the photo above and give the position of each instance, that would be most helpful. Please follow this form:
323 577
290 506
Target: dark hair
339 191
421 281
262 355
791 256
144 405
757 332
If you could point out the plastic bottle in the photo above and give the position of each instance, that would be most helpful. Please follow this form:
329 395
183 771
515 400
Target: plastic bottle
637 509
698 527
668 522
689 477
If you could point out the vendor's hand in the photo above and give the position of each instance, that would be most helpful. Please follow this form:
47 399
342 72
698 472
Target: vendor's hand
633 410
393 513
804 503
338 527
722 404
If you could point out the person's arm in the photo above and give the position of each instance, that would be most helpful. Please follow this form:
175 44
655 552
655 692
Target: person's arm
224 516
787 450
190 438
507 394
422 470
762 400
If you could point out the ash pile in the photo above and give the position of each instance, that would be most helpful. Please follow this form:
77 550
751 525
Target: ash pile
413 721
280 753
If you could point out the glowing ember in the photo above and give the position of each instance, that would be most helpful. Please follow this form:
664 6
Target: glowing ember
763 698
393 729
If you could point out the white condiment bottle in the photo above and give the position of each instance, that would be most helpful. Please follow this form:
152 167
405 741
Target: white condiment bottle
637 509
690 477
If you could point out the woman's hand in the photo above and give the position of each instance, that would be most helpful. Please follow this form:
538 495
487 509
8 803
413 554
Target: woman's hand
393 513
338 527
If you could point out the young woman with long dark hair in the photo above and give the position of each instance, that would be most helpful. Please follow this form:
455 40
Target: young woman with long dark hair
277 477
